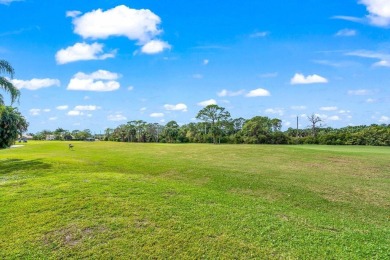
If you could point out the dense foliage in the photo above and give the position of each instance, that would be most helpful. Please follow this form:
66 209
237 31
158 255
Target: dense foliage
12 125
219 127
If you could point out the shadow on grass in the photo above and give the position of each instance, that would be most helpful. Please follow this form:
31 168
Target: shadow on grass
12 165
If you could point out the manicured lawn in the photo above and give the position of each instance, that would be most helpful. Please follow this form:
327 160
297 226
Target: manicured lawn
122 200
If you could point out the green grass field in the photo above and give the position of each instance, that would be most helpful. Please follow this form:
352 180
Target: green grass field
120 200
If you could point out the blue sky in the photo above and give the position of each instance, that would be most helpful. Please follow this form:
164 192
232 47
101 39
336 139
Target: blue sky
98 64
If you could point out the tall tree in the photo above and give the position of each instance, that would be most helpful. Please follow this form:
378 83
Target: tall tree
171 131
216 116
314 120
5 84
12 125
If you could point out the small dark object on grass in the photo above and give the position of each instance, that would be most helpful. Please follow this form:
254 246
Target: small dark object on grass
71 146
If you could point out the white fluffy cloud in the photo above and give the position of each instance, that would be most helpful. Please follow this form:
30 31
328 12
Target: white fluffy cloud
140 25
100 80
116 117
260 92
228 93
64 107
207 102
155 46
75 113
310 79
379 11
333 118
346 33
156 115
35 84
35 111
328 108
83 51
178 107
86 108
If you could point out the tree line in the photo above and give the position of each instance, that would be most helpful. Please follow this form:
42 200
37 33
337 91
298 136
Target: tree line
216 126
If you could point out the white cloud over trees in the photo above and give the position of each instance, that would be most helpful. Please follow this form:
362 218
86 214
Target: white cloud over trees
35 84
100 81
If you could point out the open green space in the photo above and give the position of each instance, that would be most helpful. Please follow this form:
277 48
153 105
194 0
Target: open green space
130 200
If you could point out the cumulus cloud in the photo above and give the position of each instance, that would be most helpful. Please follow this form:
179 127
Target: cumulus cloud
156 115
310 79
64 107
140 25
346 33
75 113
383 59
100 80
116 117
333 118
35 111
155 46
53 118
83 51
86 108
207 102
228 93
260 92
178 107
130 88
35 84
328 108
379 12
205 62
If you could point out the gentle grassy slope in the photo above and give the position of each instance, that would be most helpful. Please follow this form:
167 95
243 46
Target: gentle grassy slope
194 201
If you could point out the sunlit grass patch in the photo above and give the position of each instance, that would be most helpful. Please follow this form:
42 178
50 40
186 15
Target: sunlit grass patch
120 200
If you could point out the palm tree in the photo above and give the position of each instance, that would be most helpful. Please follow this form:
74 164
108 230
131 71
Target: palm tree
5 84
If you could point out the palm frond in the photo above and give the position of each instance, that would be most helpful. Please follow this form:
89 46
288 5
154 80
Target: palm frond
5 67
7 86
